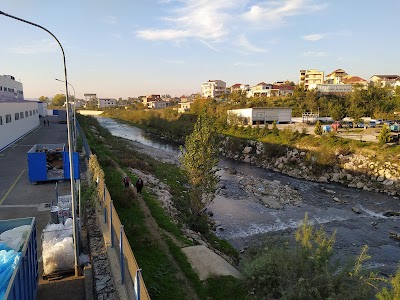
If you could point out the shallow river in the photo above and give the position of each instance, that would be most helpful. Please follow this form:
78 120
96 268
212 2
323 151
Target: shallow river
244 221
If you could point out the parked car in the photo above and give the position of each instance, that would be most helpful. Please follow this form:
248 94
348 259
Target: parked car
372 124
349 124
379 122
360 125
388 122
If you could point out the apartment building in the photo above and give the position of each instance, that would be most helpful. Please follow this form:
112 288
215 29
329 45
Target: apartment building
385 80
213 89
106 102
311 78
10 89
336 77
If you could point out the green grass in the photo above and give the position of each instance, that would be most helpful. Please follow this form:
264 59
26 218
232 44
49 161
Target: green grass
158 272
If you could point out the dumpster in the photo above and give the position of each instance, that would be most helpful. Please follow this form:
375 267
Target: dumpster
23 282
50 162
326 128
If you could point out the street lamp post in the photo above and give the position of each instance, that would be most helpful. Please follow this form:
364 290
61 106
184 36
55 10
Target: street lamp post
75 139
71 165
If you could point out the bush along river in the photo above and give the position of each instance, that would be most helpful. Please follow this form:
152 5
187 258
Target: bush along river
254 203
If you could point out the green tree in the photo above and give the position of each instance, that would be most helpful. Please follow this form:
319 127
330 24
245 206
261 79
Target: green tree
58 100
275 130
44 99
394 293
318 128
384 135
198 163
337 112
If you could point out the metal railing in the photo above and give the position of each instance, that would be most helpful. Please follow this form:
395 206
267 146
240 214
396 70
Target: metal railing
131 274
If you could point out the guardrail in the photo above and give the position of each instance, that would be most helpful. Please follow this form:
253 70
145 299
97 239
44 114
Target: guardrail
130 272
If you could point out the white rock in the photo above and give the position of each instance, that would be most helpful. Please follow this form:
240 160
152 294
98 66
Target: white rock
247 150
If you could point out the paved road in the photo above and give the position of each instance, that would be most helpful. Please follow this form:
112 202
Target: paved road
19 198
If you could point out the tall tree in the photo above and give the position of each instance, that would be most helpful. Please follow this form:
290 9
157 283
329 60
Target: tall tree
58 100
199 161
44 99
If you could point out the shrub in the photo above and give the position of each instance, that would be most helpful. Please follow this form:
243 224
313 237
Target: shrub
304 270
318 128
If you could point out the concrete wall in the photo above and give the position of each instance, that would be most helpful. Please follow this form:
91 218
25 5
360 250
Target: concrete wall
12 131
90 112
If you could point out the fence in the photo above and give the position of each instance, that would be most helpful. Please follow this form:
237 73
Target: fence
131 275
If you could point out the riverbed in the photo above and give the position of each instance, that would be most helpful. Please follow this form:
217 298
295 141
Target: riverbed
357 216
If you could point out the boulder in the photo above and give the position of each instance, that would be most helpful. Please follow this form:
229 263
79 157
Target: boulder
247 150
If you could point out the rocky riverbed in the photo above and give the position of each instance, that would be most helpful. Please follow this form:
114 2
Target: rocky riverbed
256 199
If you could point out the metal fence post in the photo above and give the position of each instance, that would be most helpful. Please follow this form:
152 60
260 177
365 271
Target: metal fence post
111 233
138 274
104 203
121 255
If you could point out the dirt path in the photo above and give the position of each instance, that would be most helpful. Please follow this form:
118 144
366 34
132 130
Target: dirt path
160 236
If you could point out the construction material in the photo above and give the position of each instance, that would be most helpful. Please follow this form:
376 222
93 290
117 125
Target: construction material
20 280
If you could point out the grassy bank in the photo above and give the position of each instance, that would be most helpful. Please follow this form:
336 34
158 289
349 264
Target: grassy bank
159 271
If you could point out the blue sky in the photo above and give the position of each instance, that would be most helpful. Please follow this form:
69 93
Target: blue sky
138 47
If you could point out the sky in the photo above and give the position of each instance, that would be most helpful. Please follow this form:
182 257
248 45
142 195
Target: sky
121 48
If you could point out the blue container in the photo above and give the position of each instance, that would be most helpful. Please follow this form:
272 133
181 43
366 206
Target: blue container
326 128
38 162
24 280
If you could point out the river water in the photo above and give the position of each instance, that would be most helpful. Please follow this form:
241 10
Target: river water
243 221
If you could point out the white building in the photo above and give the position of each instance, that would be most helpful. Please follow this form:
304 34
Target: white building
260 115
158 104
184 106
10 89
106 102
262 90
213 89
311 78
17 117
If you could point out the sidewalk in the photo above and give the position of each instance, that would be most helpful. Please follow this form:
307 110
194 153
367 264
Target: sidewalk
19 198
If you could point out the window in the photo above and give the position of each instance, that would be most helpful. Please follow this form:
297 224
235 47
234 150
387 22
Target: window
21 115
26 114
36 111
1 88
1 120
16 116
30 112
8 118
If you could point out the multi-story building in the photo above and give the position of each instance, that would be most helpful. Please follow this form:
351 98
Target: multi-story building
10 89
385 80
17 117
335 77
354 80
311 78
106 102
262 90
213 89
284 90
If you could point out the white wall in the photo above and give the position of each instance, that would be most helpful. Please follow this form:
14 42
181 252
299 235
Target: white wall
10 132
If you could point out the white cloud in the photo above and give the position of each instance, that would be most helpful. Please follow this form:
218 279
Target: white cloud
245 45
163 34
313 37
274 13
319 36
208 45
203 19
43 46
315 53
